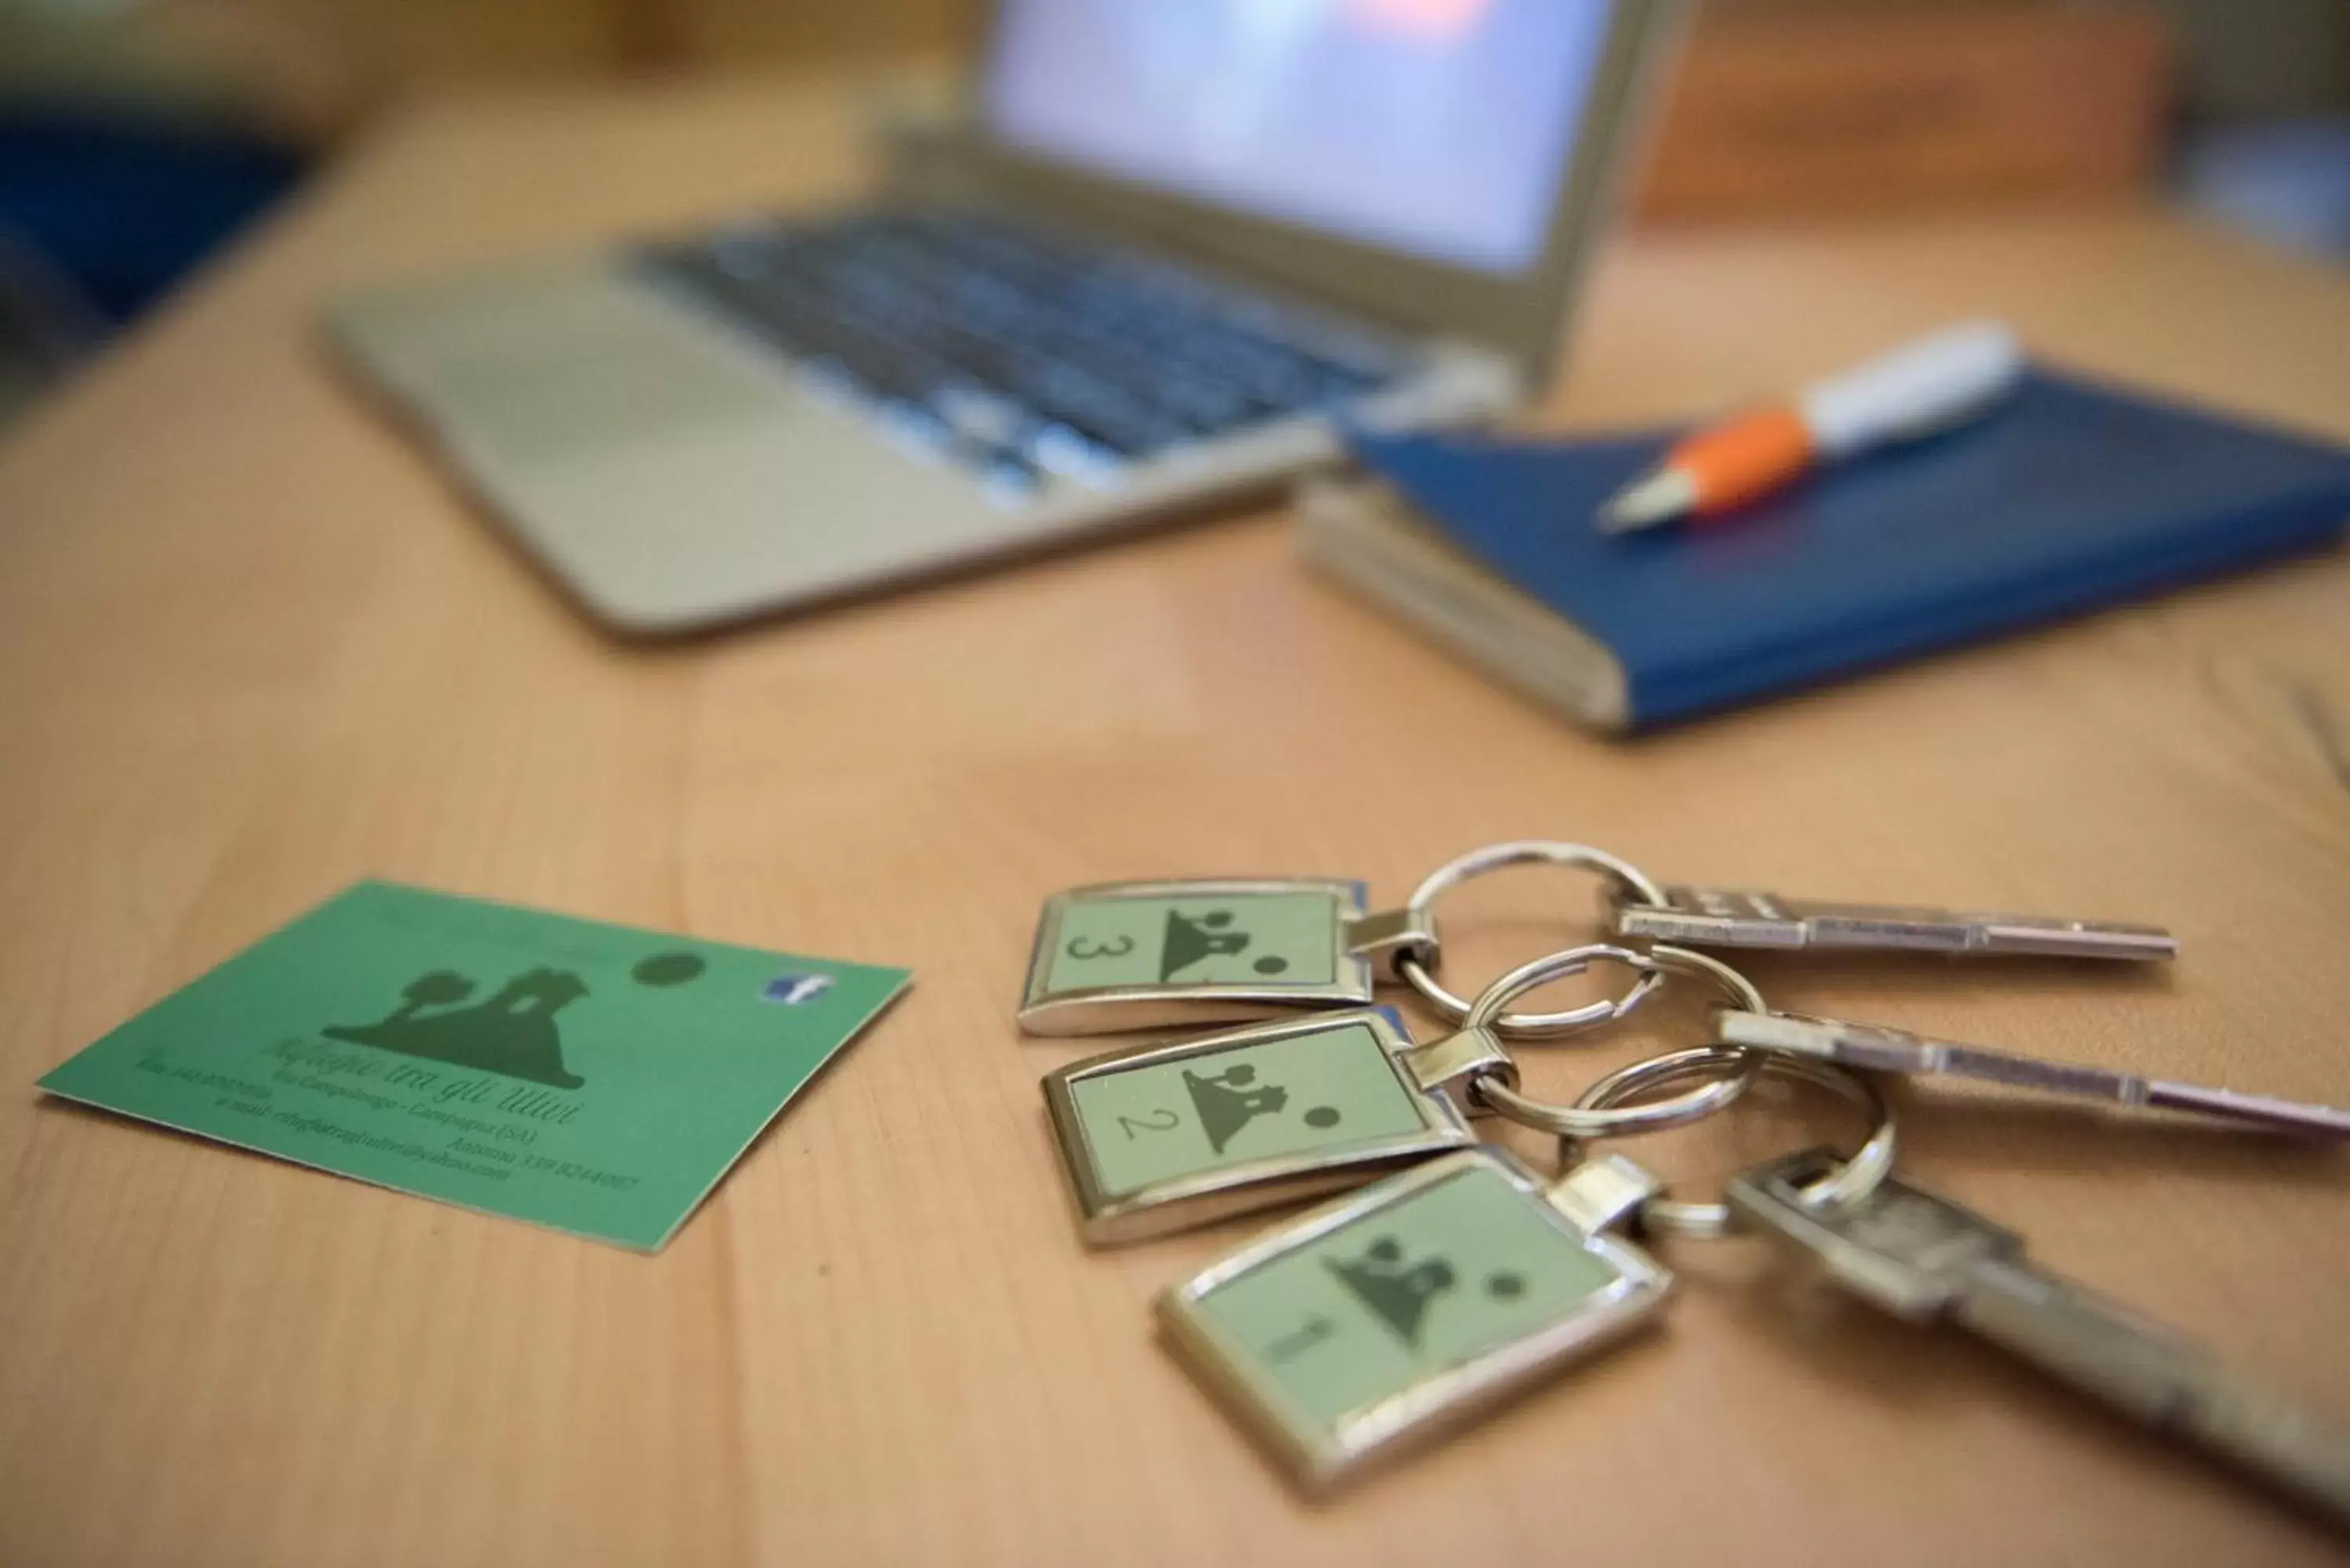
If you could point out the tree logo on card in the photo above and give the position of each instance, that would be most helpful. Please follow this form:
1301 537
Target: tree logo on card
513 1032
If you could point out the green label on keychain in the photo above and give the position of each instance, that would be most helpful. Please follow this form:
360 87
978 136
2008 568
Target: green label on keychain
1389 1312
1373 1308
1167 1136
1134 954
1280 939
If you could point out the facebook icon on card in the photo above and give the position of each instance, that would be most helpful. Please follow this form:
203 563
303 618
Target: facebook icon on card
791 990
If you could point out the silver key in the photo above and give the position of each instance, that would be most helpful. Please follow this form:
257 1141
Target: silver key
1925 1259
1720 917
1884 1049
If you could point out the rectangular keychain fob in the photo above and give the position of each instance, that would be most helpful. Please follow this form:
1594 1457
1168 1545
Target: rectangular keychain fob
1398 1310
1723 917
1139 955
1163 1138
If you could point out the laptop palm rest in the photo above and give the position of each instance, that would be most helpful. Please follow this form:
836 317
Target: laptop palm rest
670 476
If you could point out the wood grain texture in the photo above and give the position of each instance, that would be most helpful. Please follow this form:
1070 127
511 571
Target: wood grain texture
251 648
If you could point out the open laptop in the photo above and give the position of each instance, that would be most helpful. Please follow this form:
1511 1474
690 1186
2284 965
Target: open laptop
1179 241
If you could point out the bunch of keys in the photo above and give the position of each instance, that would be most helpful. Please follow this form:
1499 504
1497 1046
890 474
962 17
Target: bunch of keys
1408 1307
1458 1277
1136 955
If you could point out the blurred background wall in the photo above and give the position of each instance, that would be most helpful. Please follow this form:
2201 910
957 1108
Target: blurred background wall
324 65
136 134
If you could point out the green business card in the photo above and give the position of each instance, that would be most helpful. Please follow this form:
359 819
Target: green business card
593 1078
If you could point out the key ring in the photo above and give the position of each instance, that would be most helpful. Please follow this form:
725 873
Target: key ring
1622 875
1583 1120
1854 1178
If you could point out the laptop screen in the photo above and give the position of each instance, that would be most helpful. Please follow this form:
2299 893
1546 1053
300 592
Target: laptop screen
1440 128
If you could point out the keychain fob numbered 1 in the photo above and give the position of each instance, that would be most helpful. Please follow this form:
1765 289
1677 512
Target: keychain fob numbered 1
1405 1309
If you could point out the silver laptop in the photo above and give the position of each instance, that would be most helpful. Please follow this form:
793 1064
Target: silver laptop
1177 246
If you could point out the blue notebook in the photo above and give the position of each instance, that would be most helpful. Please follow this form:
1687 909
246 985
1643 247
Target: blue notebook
2070 496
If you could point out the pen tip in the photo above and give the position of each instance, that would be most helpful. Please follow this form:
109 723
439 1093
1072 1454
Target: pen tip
1650 501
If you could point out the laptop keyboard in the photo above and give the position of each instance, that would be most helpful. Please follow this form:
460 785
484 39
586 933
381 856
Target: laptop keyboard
1019 351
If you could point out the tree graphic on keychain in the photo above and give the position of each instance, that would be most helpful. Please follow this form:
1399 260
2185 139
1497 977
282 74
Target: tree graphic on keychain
1228 1100
1189 941
1400 1295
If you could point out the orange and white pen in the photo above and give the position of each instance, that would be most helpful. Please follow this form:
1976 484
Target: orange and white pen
1930 384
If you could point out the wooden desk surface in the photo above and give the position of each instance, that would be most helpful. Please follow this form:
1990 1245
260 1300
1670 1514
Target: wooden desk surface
251 648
